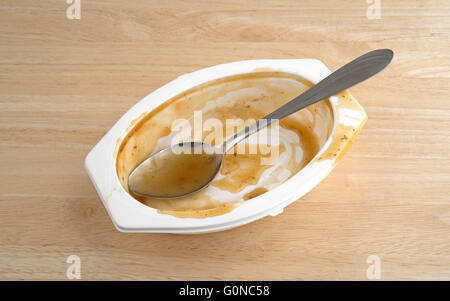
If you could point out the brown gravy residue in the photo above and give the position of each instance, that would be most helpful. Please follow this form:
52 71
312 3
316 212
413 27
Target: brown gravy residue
242 176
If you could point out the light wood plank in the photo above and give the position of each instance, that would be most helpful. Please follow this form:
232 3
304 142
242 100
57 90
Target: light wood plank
63 84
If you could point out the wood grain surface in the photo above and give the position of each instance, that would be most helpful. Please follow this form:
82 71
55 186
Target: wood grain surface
64 83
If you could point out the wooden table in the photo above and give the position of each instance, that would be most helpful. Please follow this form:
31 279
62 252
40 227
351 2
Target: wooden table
64 83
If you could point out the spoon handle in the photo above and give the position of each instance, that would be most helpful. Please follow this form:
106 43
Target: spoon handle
345 77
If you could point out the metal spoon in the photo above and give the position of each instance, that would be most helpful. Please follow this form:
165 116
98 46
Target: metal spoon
169 174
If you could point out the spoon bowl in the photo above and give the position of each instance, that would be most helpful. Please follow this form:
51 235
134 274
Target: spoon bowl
176 171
